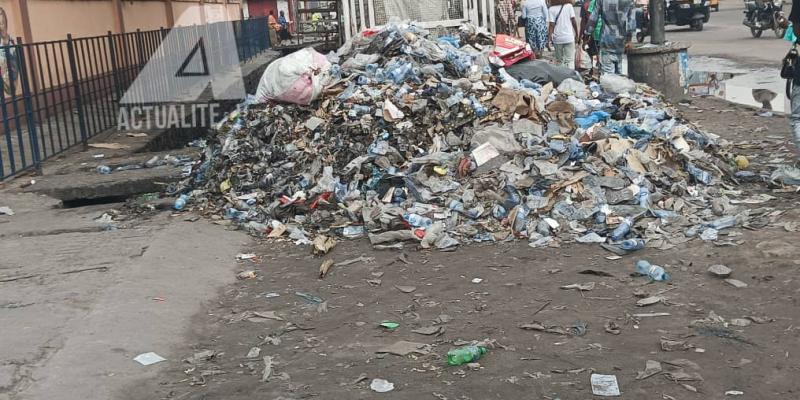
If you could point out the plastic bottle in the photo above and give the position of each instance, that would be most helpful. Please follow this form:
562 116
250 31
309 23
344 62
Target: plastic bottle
480 110
104 169
655 272
698 174
454 99
623 229
399 74
632 244
723 223
417 220
595 88
644 196
380 75
180 202
465 355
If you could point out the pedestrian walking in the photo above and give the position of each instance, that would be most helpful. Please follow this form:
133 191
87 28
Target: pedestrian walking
619 24
535 14
794 18
563 33
507 20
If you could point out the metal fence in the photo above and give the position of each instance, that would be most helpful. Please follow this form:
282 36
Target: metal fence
58 94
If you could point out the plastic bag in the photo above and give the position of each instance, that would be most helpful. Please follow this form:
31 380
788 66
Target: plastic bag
297 78
577 88
617 84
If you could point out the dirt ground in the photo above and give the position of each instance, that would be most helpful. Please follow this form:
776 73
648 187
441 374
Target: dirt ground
486 292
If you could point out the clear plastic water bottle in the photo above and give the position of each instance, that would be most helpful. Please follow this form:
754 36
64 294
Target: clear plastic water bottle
644 196
380 75
623 229
371 69
180 202
723 223
104 169
465 355
596 90
632 244
417 220
454 99
655 272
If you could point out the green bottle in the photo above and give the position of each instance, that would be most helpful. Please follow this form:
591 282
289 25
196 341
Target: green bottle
464 355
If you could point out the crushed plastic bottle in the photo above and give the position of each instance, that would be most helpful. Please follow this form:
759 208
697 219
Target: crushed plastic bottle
632 244
623 229
417 220
655 272
698 174
723 223
465 355
104 169
180 202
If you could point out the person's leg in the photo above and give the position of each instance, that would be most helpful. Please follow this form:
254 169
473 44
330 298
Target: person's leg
795 116
558 54
569 55
607 63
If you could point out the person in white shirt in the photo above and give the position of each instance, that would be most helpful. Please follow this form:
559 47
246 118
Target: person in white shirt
563 33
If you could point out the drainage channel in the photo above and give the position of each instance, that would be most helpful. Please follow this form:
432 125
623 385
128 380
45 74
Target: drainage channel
730 81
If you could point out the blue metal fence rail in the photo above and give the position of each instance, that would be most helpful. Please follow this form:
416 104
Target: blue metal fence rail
58 94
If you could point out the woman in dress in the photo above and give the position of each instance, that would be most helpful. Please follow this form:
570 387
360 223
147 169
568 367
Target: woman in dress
535 14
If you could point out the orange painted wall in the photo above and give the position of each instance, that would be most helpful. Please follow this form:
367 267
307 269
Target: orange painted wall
186 13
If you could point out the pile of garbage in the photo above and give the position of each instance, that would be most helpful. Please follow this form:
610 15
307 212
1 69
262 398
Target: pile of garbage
403 137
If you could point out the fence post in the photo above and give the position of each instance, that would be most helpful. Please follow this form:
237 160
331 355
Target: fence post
26 99
76 84
114 67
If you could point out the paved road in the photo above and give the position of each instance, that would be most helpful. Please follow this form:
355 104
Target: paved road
724 36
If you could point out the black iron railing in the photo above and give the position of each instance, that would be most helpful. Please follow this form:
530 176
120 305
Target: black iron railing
58 94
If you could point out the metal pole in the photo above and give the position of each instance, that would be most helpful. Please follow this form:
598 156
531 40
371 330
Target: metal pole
76 84
657 12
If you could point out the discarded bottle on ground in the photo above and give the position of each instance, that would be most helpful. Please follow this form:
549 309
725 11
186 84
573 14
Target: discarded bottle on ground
632 244
655 272
418 220
104 169
464 355
180 202
623 229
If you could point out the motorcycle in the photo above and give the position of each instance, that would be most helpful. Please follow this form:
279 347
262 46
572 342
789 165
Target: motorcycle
677 12
763 15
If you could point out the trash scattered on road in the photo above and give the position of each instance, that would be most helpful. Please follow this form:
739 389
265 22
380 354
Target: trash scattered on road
405 289
6 211
246 256
250 274
325 267
581 287
720 271
734 393
149 358
268 364
736 283
309 297
389 325
604 385
381 385
429 330
651 368
654 272
465 355
254 352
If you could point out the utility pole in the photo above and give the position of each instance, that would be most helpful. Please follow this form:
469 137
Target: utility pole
657 12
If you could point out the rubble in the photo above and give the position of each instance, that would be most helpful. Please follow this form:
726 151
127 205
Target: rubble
416 140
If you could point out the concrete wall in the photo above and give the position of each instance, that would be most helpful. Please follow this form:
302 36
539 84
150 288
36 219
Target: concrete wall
144 15
53 19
